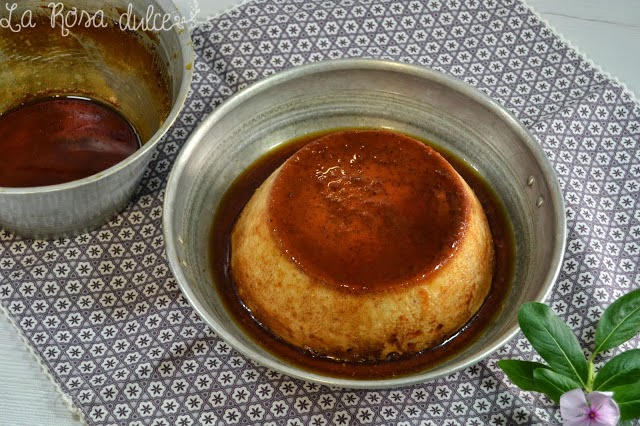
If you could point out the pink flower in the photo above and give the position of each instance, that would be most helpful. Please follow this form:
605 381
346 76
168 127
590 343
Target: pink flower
596 409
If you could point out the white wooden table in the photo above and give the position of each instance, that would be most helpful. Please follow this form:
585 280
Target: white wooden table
606 32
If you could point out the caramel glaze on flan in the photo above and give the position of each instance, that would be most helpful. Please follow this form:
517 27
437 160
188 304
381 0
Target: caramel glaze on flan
363 244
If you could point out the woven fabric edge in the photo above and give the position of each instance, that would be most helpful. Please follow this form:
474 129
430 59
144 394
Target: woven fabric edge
580 53
26 345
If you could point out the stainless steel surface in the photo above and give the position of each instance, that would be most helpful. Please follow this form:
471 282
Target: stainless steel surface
365 93
78 206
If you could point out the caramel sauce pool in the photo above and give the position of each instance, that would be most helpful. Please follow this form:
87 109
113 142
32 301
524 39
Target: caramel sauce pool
239 194
58 140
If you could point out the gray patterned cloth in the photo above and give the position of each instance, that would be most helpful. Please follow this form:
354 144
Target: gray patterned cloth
106 317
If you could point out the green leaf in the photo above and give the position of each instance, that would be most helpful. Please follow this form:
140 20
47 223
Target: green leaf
554 341
521 373
628 399
553 384
621 370
619 322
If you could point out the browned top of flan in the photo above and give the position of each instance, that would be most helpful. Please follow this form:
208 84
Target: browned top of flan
368 209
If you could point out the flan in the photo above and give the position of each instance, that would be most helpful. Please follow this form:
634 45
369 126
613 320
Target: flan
364 245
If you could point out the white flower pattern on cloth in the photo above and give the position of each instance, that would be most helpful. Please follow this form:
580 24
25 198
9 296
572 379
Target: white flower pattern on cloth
108 320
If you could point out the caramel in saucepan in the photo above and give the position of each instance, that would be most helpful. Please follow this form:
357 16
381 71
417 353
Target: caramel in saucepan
58 140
